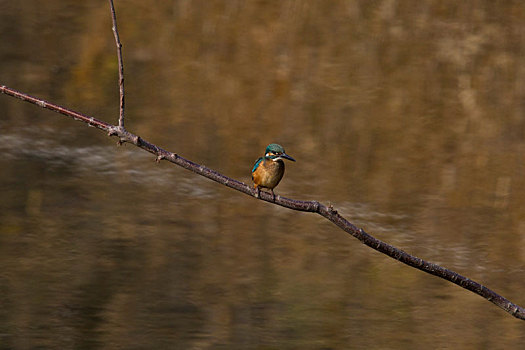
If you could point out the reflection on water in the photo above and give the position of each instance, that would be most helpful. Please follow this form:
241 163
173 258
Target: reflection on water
408 119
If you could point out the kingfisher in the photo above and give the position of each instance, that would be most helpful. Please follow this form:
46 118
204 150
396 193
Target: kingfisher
269 169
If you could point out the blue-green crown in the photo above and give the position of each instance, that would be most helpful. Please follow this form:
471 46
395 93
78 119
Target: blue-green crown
274 148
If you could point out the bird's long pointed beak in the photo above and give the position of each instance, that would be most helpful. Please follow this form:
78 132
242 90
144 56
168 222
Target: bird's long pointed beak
285 156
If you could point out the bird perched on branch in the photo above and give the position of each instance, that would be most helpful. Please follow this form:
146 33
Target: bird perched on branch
269 169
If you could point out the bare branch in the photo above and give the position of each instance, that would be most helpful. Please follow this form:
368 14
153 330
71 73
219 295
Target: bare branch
120 65
55 108
308 206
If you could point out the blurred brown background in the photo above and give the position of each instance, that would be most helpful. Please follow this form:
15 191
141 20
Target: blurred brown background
407 116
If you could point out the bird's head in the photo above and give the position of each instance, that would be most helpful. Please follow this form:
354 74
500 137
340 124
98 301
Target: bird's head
276 152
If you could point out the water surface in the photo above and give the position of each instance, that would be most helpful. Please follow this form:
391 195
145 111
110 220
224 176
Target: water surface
408 117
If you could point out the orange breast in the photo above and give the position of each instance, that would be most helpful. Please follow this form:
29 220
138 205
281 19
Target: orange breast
268 173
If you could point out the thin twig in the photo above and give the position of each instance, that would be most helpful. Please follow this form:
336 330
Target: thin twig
120 65
308 206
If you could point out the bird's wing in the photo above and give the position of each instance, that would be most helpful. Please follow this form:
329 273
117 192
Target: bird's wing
257 162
